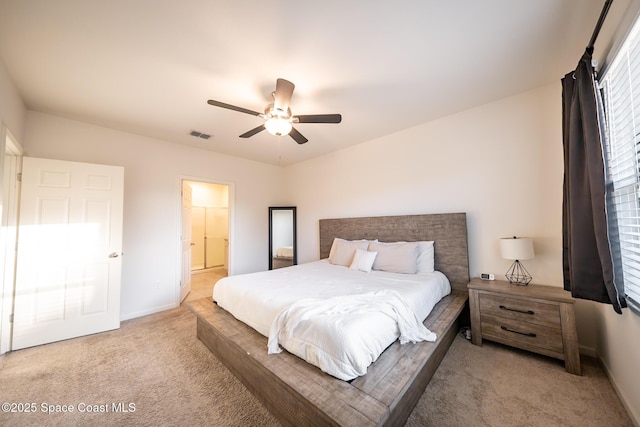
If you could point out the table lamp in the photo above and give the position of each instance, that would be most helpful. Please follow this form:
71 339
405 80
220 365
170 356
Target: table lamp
517 248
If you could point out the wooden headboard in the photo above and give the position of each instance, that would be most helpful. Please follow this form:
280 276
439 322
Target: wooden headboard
448 231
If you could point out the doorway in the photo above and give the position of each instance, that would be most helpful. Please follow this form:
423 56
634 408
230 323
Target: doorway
10 167
209 236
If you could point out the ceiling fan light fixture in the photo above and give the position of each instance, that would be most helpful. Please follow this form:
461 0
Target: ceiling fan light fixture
278 126
277 116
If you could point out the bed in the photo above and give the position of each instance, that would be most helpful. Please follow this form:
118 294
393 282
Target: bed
332 316
298 393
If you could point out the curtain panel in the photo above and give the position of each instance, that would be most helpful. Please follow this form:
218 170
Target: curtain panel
587 263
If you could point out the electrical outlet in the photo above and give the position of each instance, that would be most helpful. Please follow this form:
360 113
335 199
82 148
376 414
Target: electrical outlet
157 284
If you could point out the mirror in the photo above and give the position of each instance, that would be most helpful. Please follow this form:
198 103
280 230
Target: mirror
282 237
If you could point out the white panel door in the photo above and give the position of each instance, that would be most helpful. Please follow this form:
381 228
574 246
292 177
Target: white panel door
69 251
185 280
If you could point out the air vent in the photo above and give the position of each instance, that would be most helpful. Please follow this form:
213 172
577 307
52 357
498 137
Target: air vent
199 134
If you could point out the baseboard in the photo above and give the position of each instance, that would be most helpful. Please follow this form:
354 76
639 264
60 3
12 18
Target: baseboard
633 414
589 351
147 312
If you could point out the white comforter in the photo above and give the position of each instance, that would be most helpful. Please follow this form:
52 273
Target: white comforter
346 341
303 326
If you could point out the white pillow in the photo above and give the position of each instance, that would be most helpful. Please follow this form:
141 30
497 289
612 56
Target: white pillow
334 246
363 260
397 257
343 251
425 257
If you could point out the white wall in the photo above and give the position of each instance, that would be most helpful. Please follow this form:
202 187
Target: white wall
502 164
209 195
153 170
12 109
619 350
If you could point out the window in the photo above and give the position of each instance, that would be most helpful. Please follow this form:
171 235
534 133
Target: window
621 96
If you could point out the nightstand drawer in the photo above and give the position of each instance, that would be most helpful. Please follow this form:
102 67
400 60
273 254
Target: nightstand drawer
522 310
521 334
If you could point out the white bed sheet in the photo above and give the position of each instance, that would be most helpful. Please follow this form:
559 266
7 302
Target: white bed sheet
258 298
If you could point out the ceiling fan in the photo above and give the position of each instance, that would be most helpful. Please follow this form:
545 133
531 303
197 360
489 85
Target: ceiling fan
277 115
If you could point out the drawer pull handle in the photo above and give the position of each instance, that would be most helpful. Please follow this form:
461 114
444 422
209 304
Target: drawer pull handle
502 307
528 334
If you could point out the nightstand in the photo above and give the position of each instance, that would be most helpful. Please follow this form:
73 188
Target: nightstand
536 318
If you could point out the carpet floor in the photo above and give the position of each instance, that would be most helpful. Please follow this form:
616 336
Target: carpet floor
153 371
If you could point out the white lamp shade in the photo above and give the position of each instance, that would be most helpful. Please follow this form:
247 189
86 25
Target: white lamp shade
516 248
278 126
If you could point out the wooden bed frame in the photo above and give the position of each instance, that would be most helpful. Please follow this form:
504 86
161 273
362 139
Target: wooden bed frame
299 394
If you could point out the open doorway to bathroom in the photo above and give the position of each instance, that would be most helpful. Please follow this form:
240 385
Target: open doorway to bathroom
209 236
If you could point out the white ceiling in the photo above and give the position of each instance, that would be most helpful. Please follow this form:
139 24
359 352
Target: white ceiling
149 66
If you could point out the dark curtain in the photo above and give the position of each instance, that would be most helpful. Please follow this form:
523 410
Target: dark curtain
587 262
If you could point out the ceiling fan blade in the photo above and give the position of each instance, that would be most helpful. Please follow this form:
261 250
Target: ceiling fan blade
318 118
297 136
252 132
282 95
232 107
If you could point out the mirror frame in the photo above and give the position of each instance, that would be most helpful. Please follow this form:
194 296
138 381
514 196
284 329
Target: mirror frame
295 237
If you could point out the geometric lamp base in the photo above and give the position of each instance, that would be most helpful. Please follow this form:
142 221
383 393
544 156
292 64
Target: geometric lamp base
518 275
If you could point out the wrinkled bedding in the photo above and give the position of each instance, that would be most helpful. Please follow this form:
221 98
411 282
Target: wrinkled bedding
336 318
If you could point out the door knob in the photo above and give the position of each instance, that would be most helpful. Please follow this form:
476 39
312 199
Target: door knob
114 255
